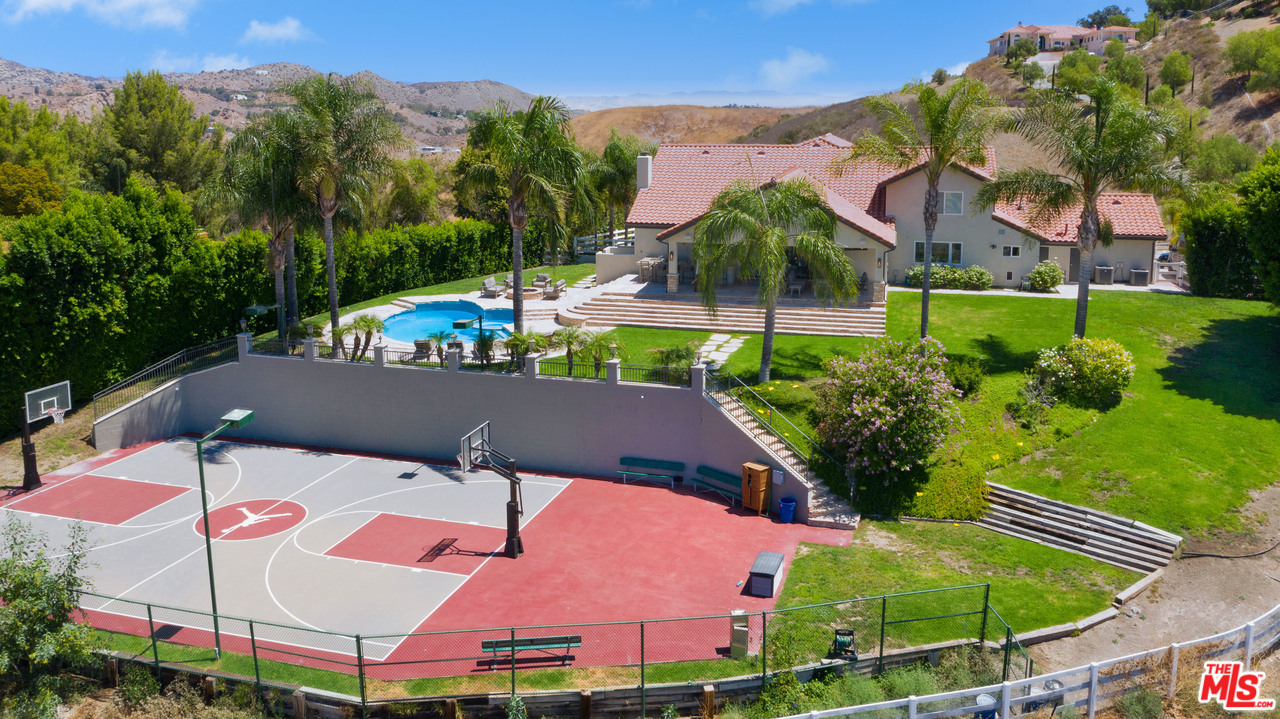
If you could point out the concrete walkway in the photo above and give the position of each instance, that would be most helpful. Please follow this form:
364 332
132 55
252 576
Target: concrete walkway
1063 292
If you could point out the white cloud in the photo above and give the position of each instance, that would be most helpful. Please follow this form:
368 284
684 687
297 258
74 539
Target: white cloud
287 30
128 13
212 62
958 68
797 66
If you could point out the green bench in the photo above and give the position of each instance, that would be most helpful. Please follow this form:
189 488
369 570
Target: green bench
726 484
533 644
650 470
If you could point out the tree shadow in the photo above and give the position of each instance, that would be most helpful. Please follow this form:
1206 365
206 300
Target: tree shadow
1236 366
1000 357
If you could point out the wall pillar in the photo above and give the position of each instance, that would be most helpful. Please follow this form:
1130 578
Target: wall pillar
453 358
612 370
531 365
243 343
379 356
698 378
309 349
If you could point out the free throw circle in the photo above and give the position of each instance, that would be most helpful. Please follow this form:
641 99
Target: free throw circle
253 519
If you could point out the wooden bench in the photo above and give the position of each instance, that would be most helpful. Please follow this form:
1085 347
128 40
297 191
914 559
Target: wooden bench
535 644
726 484
650 470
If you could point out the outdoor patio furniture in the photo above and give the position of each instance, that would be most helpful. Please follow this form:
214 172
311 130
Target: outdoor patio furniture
542 280
511 280
553 292
795 287
490 288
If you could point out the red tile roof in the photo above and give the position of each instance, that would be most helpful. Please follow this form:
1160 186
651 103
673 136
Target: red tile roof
686 178
1133 215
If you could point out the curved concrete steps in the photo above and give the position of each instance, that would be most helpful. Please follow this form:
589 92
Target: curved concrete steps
624 310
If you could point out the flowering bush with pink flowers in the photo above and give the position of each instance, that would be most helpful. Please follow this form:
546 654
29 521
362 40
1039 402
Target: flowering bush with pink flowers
889 408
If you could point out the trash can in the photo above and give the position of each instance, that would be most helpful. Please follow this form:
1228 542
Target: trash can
787 510
986 707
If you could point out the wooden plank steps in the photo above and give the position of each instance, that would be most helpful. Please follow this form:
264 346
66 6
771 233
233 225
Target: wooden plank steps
1105 537
731 317
404 304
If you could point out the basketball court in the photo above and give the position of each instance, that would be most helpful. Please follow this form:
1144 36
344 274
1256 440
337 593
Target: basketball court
343 543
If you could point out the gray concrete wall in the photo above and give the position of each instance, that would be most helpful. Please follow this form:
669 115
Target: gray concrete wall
546 424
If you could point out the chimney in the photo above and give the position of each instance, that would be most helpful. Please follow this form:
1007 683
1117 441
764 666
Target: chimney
644 171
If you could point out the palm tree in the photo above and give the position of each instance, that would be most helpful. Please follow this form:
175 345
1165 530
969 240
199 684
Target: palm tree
517 345
571 339
600 346
1109 144
531 155
753 227
949 128
346 140
440 338
484 346
364 325
614 174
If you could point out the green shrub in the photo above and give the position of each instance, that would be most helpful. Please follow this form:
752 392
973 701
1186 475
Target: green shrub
967 667
965 373
917 680
1045 277
853 690
1141 703
1031 408
947 277
955 491
1087 372
138 684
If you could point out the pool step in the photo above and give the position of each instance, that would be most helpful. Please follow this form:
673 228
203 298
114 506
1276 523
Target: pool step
403 304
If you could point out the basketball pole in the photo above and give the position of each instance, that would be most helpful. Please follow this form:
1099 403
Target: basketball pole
30 471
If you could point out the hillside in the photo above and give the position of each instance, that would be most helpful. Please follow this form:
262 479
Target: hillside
428 112
676 123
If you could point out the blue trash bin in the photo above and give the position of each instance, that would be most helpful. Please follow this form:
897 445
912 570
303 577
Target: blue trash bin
787 510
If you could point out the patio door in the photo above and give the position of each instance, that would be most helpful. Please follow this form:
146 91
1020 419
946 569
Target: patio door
1073 272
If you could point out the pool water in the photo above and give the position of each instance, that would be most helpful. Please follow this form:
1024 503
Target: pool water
431 317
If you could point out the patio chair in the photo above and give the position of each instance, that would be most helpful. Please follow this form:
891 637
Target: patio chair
490 288
553 292
542 280
511 280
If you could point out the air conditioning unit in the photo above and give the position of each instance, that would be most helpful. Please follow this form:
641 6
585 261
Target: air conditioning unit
1103 274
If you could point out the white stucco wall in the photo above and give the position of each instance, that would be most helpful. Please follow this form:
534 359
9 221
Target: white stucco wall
1135 254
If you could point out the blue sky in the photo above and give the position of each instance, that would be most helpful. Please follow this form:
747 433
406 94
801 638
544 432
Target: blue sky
770 51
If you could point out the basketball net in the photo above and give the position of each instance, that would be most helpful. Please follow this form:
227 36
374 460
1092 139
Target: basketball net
58 414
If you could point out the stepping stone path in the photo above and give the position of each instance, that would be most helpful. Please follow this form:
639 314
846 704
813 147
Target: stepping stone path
719 346
585 283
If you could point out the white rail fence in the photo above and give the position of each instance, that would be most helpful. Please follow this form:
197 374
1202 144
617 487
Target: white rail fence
1088 688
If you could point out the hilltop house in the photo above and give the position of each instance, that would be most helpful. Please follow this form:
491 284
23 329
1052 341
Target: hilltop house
1063 38
881 225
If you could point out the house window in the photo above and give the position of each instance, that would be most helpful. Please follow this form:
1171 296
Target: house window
944 253
1008 275
952 203
1012 251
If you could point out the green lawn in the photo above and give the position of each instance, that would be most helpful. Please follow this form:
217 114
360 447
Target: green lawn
568 273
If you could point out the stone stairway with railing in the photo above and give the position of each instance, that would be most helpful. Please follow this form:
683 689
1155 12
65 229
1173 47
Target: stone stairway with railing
826 509
621 309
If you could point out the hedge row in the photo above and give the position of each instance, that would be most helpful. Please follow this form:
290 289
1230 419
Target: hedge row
108 285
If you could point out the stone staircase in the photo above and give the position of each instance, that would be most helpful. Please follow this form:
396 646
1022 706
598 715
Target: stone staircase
826 509
620 309
1105 537
403 304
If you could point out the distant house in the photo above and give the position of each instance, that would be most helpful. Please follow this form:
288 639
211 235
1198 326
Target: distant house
239 97
879 210
1062 38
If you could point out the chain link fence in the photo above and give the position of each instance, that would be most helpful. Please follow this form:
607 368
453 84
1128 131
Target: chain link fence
869 635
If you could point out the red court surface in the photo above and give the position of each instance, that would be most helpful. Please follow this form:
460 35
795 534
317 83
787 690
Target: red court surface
93 498
410 541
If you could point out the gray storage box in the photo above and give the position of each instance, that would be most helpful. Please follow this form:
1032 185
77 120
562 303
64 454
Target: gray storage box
763 581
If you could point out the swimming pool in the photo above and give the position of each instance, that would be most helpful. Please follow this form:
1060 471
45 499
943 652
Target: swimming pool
430 317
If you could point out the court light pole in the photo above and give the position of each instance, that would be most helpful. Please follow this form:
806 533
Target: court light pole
234 419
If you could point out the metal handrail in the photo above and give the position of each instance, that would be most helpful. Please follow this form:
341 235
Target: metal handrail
727 382
172 367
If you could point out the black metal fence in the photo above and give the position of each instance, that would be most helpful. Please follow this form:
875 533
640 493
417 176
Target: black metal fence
170 368
582 368
656 374
874 633
276 347
416 358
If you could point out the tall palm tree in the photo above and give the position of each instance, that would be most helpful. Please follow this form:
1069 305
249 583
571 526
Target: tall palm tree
346 141
1109 144
753 226
944 129
614 175
529 153
440 338
570 338
256 183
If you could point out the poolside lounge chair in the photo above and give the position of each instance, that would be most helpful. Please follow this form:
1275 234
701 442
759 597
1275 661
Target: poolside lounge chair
491 288
552 292
542 280
511 280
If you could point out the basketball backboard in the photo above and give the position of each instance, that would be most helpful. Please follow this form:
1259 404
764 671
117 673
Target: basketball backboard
473 445
40 403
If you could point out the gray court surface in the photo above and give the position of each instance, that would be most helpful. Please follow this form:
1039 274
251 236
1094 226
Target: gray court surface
289 576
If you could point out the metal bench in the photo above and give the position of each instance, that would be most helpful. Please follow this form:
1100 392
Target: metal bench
537 644
726 484
650 470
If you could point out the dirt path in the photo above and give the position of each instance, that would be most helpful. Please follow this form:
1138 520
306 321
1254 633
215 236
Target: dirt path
1196 598
57 445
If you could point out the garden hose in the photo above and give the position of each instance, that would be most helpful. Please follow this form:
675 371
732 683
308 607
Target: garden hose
1193 555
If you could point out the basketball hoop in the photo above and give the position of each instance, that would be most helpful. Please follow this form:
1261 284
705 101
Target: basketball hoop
57 413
